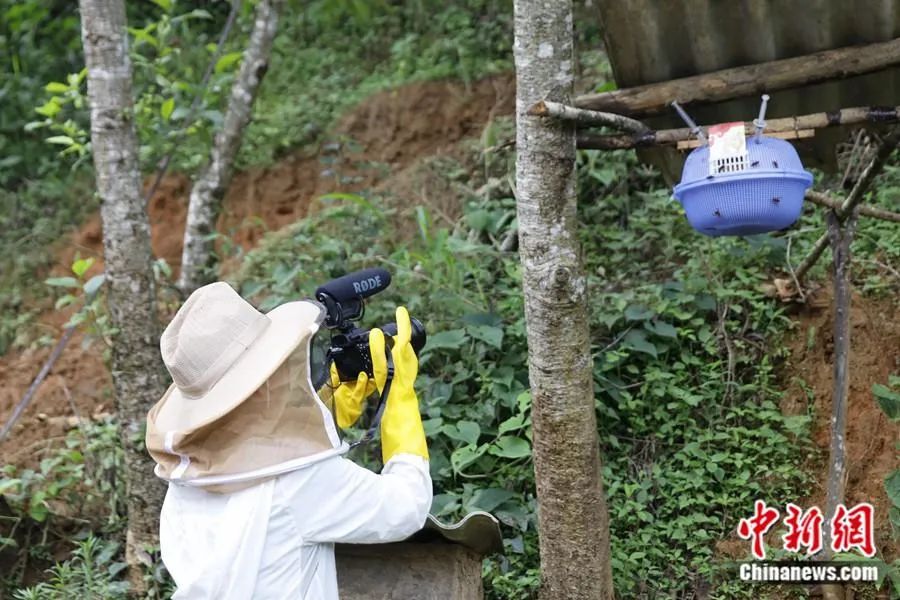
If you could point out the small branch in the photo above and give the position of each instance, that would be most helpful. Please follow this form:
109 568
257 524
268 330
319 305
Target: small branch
826 201
748 80
847 116
586 118
33 388
885 149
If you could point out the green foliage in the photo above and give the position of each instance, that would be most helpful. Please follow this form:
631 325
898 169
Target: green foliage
685 352
888 397
85 474
42 43
32 219
74 482
167 73
93 571
329 55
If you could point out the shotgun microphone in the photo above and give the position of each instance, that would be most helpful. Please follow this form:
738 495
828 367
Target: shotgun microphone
343 297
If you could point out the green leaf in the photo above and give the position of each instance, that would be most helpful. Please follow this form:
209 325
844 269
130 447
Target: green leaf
166 5
55 87
469 431
512 424
142 35
488 334
80 266
662 329
488 499
466 455
166 108
892 486
37 508
888 399
638 312
228 61
62 140
93 284
49 109
637 340
451 338
511 447
62 282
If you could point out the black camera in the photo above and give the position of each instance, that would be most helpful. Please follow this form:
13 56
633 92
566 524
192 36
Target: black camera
343 299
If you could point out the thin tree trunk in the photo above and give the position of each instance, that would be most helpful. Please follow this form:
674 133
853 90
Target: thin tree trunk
841 236
573 520
136 363
197 258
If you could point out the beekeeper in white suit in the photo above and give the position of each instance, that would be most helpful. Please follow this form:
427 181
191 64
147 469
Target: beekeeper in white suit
258 490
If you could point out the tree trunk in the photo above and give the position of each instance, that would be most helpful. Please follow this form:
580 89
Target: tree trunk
573 520
197 258
136 363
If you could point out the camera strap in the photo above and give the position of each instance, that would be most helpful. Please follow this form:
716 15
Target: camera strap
382 403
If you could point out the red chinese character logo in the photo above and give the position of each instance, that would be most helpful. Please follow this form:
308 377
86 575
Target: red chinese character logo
804 529
853 528
757 526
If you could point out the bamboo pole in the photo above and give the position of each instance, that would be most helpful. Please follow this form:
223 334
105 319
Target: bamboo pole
846 116
840 235
748 80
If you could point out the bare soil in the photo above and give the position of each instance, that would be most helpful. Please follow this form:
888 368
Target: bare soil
871 437
383 136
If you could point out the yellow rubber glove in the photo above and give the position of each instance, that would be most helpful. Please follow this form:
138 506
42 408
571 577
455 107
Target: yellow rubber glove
401 424
350 397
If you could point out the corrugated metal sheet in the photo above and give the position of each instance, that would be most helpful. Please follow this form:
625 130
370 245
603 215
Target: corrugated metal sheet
656 40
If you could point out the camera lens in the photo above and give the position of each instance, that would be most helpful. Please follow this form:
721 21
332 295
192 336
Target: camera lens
417 338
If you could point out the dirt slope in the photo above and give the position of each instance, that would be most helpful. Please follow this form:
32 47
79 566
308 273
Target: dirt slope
871 437
383 135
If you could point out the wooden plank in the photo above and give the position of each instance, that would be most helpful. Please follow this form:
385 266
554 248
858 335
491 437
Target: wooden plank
847 116
749 80
782 135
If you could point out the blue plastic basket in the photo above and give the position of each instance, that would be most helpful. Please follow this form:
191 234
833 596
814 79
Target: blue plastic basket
766 194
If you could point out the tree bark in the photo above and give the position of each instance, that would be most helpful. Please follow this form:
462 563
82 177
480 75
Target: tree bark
136 363
749 80
573 520
197 258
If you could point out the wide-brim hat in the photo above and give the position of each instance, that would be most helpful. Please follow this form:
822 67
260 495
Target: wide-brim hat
220 350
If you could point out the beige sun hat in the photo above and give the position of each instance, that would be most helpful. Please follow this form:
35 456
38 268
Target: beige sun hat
242 405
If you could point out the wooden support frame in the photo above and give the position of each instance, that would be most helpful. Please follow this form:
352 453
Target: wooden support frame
885 148
665 137
749 80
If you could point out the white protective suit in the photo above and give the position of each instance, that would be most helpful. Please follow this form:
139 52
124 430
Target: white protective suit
276 540
259 490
